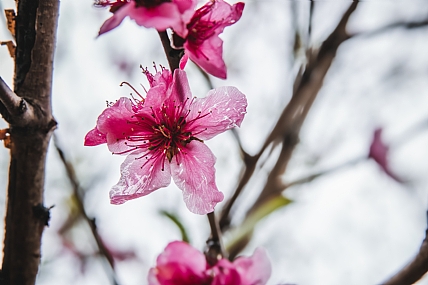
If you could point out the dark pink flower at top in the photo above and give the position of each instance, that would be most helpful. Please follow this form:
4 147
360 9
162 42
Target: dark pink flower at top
202 41
379 152
158 14
181 264
163 137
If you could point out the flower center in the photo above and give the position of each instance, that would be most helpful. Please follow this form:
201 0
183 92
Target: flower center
199 29
170 135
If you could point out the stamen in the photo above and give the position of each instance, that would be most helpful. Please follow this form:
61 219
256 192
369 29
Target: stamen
130 86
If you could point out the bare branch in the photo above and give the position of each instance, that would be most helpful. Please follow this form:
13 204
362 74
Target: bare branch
17 111
414 271
403 25
173 55
286 131
324 172
77 191
215 250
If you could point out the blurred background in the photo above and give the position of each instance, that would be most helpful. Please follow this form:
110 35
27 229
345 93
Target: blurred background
355 225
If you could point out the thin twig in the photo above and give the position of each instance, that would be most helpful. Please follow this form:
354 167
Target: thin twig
414 271
311 16
215 250
324 172
173 55
403 25
287 128
77 191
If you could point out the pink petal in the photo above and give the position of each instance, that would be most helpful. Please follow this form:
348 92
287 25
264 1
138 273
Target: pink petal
140 177
254 270
224 13
183 61
208 55
226 108
203 44
225 273
161 17
117 18
178 264
180 87
182 252
186 8
114 122
379 152
193 172
163 78
95 137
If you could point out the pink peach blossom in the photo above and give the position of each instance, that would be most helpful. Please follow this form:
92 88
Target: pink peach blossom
163 137
202 41
182 264
379 153
158 14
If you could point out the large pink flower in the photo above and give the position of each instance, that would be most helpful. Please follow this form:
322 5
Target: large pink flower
181 264
202 41
158 14
163 136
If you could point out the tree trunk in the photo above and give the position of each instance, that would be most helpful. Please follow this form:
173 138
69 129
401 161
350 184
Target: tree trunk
29 113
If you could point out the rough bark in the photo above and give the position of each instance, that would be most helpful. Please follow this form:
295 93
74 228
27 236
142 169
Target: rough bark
29 113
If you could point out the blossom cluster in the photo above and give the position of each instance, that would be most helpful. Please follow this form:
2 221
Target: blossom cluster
196 31
163 133
182 264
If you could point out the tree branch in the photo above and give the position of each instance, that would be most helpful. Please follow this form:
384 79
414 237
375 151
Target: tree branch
415 269
404 25
173 55
77 192
16 110
215 250
286 131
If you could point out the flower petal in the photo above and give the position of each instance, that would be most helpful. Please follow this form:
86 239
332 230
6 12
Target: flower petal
379 152
140 177
225 273
116 122
222 109
203 44
161 17
180 88
95 137
254 270
186 8
208 55
178 264
193 172
117 18
223 14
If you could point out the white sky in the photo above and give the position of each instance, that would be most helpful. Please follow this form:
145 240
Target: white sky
355 226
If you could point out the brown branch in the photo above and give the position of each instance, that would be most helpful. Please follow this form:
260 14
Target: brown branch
311 177
173 55
403 25
16 110
414 271
26 217
77 192
286 131
291 120
215 250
